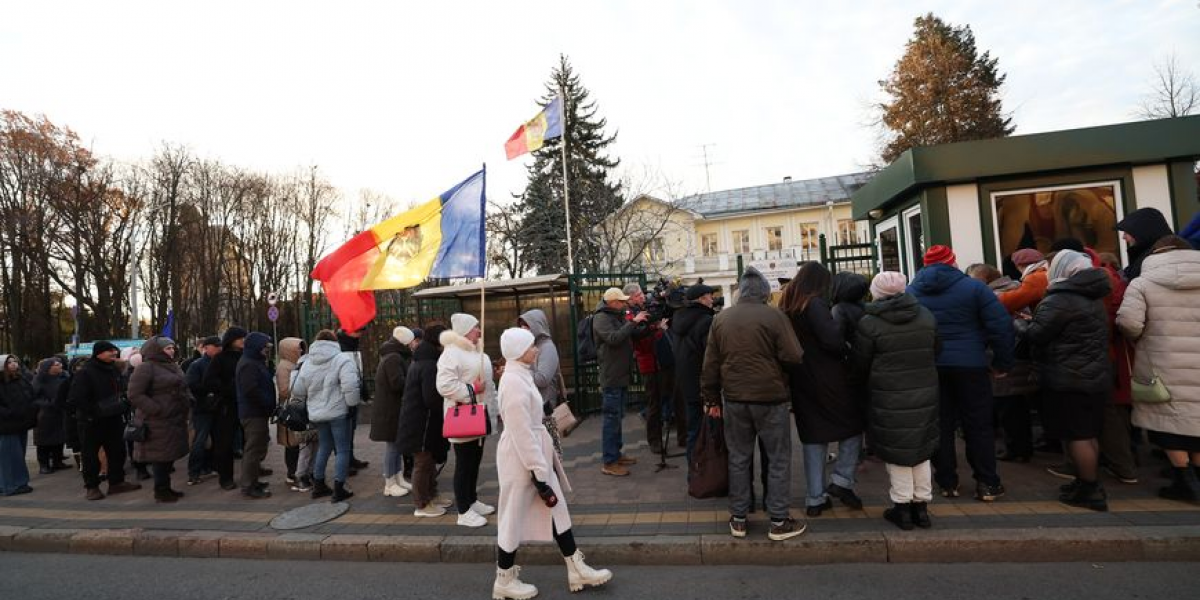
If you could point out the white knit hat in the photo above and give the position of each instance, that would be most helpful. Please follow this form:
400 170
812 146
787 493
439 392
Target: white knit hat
514 342
462 323
403 335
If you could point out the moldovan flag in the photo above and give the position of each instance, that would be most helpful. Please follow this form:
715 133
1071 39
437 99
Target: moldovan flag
547 125
441 238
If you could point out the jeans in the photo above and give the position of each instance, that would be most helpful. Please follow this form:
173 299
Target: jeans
202 426
612 410
966 395
391 459
843 468
334 436
771 426
910 484
257 438
107 433
14 473
467 458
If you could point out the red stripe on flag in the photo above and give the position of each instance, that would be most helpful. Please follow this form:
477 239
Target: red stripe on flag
341 275
515 146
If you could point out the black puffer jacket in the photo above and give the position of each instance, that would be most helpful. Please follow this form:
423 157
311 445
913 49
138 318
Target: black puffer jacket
825 408
849 290
1068 335
18 410
420 427
894 356
394 360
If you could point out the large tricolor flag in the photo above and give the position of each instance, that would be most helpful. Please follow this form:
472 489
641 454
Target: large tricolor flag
547 125
442 238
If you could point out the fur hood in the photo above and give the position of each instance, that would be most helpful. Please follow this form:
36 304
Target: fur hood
450 339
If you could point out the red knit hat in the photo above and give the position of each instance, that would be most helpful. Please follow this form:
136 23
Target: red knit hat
940 254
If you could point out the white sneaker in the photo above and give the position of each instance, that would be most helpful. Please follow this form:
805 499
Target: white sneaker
432 510
509 586
401 482
470 519
482 509
442 501
392 489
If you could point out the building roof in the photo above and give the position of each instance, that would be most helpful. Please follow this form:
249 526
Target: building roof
775 196
1141 142
536 284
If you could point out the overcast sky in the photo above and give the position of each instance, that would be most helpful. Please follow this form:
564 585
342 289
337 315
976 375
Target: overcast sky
408 98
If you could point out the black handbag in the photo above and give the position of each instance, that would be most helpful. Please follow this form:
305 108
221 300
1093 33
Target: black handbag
136 432
293 415
112 406
708 473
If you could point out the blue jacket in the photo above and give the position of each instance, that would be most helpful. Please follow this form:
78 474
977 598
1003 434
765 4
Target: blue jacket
254 380
969 318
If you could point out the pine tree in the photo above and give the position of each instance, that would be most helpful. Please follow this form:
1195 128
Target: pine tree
593 196
941 91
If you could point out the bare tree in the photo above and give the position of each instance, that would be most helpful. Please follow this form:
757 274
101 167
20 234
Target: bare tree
504 235
639 235
1174 91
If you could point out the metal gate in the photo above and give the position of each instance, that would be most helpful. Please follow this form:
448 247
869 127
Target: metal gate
587 292
856 258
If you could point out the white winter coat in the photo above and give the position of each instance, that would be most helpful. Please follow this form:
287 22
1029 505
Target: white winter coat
525 447
1161 312
457 369
327 380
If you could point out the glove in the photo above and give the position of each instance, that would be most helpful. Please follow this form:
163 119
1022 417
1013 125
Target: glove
545 491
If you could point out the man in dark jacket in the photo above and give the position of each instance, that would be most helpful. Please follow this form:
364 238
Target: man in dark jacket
255 384
614 351
689 337
970 321
199 459
96 398
219 378
750 349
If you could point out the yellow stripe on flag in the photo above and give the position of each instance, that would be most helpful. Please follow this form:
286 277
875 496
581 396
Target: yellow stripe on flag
408 245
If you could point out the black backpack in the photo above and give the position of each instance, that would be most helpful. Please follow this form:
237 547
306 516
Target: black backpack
585 340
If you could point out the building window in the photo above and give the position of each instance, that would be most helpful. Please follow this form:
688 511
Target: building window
774 239
847 231
808 236
1037 218
741 242
708 244
653 252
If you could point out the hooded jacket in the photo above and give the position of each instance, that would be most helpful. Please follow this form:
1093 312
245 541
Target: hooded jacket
394 360
1147 226
894 358
1161 313
750 346
159 393
290 351
255 382
327 380
50 430
95 381
969 317
421 414
545 372
18 412
849 290
459 367
689 339
1068 335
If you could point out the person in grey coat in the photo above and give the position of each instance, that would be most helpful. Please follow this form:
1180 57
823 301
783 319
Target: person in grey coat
615 330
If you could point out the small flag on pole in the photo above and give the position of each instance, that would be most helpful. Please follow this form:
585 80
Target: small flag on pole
169 328
547 125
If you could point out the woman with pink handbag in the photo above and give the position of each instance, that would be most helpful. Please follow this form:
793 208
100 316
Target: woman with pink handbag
532 504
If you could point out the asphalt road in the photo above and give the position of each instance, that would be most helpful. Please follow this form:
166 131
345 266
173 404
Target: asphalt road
58 576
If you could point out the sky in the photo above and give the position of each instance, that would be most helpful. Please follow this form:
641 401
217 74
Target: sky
409 98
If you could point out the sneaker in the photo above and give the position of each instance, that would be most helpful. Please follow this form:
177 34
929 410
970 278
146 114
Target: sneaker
625 461
482 509
615 469
441 501
988 493
358 464
1062 471
430 510
194 480
950 492
1127 479
470 519
846 495
228 485
737 527
303 484
400 481
290 479
255 493
815 511
786 529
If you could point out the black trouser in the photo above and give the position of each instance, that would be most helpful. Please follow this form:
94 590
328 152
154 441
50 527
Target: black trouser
660 388
50 455
291 457
966 396
1017 421
224 430
107 433
258 439
162 475
467 458
565 541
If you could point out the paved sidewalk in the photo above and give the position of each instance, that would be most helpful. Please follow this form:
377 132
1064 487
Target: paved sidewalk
647 516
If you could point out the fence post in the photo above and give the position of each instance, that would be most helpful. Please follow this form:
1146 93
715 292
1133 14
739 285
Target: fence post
825 253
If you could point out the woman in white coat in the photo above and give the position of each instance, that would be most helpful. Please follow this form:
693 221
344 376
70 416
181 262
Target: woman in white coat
464 373
532 504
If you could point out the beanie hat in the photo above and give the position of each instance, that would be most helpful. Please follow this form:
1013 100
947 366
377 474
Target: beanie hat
164 342
514 342
403 335
887 284
694 292
1026 256
462 323
940 254
211 340
418 333
103 346
232 334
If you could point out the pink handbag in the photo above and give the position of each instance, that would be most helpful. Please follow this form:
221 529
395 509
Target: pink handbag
465 420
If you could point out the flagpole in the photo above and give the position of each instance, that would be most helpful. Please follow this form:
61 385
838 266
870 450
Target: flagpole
482 289
562 93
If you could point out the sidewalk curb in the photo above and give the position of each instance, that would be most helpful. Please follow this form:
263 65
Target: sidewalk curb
1117 544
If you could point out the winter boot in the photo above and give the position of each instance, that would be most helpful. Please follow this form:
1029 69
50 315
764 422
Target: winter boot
900 515
164 495
1184 486
509 585
392 487
579 574
340 492
920 515
320 490
1088 494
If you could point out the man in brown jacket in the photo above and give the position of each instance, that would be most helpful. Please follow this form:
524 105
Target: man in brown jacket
750 346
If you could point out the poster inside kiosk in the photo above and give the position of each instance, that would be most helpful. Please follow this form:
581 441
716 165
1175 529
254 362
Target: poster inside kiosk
85 349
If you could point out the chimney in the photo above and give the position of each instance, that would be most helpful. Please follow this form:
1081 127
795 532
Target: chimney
787 178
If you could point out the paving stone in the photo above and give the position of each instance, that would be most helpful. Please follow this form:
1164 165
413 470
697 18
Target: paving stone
347 547
807 549
104 541
43 540
1014 545
295 546
243 545
157 543
405 548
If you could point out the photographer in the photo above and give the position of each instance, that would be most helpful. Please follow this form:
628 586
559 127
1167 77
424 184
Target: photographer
655 362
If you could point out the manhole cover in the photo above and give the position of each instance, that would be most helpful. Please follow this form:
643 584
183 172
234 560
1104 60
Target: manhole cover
307 516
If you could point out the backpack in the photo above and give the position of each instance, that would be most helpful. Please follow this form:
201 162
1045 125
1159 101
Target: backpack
585 340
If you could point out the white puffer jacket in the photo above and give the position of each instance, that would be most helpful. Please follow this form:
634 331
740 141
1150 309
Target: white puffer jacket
457 369
1161 311
327 380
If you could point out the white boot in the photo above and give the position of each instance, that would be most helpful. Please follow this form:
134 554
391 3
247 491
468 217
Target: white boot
393 489
509 585
401 482
579 574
